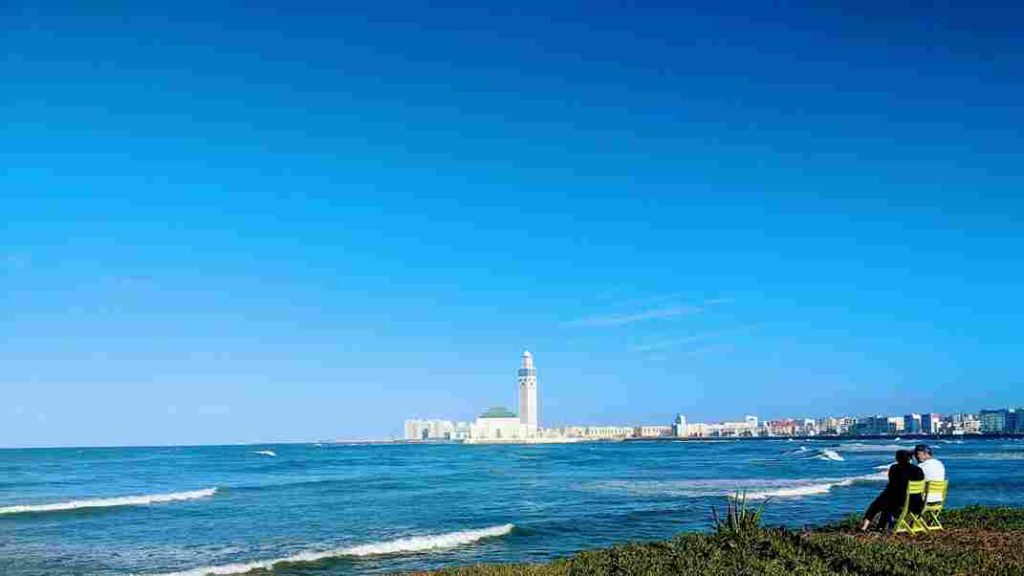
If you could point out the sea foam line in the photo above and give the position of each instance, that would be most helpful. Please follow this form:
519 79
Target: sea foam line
401 545
753 488
109 502
813 489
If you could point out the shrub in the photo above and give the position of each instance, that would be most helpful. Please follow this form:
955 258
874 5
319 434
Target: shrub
741 520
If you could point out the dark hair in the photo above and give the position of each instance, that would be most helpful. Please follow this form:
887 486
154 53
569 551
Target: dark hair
903 456
923 448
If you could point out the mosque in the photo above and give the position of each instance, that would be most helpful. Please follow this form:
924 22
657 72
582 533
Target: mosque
497 424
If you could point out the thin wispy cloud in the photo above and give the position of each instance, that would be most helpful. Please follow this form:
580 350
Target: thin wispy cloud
624 319
677 342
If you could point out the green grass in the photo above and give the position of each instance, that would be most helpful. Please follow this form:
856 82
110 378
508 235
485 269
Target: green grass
977 540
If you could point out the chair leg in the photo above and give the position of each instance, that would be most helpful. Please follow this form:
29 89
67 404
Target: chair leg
918 524
904 527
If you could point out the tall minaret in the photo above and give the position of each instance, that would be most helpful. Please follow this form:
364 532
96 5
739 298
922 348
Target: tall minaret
528 392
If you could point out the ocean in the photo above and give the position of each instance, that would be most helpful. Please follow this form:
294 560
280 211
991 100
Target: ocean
337 509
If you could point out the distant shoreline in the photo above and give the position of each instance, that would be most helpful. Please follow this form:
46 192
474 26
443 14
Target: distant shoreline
387 441
900 438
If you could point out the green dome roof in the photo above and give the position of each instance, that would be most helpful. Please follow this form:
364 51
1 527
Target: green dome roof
498 412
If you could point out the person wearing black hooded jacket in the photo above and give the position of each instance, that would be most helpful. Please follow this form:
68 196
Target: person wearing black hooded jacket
890 502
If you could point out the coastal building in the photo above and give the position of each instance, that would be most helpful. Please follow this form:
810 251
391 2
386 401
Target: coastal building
417 429
679 426
912 424
994 421
608 432
748 427
962 423
931 424
528 392
784 427
809 427
836 426
498 424
895 425
698 430
873 426
654 431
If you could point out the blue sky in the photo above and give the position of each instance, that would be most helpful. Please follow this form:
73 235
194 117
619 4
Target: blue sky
226 223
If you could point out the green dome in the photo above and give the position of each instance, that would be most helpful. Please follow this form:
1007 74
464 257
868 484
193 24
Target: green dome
498 412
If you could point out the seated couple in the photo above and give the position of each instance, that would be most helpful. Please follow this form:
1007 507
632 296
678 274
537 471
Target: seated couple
888 505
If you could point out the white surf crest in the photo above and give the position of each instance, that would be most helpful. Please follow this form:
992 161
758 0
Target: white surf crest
753 488
865 447
412 544
811 489
270 453
109 502
830 455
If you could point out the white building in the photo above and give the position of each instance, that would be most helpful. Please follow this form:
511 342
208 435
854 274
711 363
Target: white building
608 432
528 392
748 427
498 425
430 430
655 431
501 425
679 426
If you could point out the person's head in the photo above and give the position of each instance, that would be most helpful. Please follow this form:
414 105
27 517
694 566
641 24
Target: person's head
922 452
903 456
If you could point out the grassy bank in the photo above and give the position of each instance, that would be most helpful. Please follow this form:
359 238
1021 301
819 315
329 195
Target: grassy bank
977 540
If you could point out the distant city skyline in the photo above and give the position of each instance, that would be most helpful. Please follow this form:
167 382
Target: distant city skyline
224 223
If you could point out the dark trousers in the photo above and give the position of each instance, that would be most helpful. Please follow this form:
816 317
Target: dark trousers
882 504
890 505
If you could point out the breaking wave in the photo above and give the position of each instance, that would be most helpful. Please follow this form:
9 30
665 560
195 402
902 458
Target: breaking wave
864 447
818 454
823 487
266 453
109 502
754 488
987 456
830 455
411 544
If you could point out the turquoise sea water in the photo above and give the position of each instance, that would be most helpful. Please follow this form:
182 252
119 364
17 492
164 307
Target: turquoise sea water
364 509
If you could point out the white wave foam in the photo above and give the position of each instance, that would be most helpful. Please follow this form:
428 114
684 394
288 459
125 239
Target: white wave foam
109 502
265 453
754 488
411 544
830 455
813 489
987 456
864 447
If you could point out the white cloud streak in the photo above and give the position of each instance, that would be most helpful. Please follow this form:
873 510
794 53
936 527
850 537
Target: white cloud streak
664 312
677 342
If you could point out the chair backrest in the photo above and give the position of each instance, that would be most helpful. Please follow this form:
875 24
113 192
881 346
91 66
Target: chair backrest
937 487
915 487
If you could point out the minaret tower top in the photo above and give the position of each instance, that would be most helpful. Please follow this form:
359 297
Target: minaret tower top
528 392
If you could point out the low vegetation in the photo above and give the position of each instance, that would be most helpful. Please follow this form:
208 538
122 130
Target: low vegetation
977 540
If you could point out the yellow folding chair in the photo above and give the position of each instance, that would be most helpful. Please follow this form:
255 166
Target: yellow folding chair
930 514
908 522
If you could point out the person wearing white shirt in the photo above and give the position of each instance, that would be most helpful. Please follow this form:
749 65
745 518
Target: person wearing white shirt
932 467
